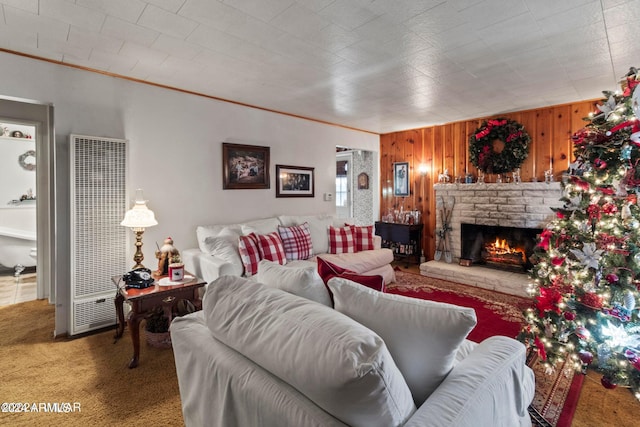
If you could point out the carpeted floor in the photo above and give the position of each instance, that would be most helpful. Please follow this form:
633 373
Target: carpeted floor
92 371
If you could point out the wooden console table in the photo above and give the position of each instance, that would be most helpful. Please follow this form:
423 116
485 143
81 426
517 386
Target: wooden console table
142 301
405 240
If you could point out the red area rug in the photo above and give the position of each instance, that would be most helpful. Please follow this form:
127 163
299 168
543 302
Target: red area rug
557 393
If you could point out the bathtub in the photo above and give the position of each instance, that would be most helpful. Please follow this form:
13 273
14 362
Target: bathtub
18 236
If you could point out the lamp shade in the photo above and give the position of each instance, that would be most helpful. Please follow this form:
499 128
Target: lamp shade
139 216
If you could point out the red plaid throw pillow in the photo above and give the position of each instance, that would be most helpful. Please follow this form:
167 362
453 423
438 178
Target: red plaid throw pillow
249 253
341 240
270 247
296 241
363 237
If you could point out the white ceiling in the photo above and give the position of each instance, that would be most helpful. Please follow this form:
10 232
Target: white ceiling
375 65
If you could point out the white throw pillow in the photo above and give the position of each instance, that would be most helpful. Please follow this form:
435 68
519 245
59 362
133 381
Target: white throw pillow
422 336
225 246
204 231
261 226
340 365
302 281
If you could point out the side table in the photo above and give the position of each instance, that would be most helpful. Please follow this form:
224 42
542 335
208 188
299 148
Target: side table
142 301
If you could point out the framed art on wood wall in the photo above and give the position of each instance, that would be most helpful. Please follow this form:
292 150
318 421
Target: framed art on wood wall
245 166
401 179
294 181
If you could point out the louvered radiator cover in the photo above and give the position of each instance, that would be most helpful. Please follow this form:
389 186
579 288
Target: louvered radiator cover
98 241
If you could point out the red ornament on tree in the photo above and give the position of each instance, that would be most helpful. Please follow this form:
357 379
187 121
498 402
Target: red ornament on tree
586 357
608 383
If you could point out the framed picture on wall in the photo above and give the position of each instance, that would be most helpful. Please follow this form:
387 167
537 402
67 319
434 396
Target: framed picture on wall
363 181
245 166
294 181
401 179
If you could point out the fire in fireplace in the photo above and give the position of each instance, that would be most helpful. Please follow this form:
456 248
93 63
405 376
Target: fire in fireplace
506 248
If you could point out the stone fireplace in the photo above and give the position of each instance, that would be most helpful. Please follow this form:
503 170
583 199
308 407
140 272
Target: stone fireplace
525 206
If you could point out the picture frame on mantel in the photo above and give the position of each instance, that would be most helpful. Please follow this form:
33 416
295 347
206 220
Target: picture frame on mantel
401 179
245 167
295 181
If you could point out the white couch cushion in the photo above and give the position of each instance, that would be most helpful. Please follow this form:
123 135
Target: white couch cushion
361 262
339 364
422 336
302 281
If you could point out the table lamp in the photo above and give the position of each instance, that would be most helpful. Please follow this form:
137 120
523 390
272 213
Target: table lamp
138 218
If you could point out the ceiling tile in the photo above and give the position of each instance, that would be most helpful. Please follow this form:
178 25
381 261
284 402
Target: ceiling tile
210 13
115 27
264 10
164 22
347 14
128 10
176 47
168 5
27 5
299 21
93 40
45 26
71 13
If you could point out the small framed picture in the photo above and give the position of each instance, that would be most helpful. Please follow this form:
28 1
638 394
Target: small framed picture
401 179
294 181
363 181
245 167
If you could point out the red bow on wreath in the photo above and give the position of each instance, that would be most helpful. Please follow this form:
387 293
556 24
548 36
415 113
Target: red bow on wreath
490 125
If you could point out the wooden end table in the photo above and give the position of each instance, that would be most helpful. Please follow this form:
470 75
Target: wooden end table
142 301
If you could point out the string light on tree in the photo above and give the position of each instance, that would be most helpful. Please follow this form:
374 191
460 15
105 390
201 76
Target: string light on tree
586 277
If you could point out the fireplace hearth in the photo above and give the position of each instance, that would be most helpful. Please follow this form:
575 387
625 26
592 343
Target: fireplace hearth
504 248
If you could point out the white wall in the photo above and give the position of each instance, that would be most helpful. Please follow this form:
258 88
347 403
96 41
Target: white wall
175 144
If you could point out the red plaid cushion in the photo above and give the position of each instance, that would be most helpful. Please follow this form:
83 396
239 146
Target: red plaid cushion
249 253
363 237
270 247
341 240
296 241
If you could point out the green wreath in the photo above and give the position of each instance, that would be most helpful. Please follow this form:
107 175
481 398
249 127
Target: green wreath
499 146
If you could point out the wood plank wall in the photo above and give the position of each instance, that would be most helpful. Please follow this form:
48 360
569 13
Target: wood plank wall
447 147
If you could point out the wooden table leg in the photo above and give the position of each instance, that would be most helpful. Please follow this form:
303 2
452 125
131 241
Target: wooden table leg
119 301
134 327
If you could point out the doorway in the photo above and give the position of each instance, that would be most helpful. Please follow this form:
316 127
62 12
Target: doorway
18 237
344 201
24 117
356 175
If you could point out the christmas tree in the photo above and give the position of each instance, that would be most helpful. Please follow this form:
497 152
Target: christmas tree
586 274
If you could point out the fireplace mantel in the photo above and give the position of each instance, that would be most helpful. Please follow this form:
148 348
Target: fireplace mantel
526 205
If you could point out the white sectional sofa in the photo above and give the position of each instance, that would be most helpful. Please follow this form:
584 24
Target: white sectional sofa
259 356
217 253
